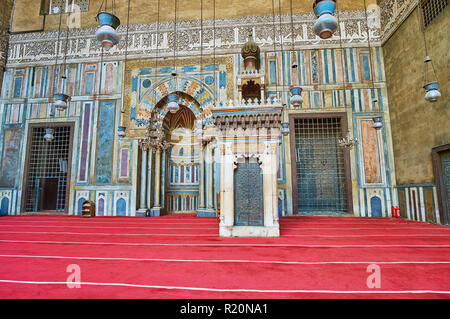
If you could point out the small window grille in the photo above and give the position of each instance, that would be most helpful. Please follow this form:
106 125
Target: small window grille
64 6
431 9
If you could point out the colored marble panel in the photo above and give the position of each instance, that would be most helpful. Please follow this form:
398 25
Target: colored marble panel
190 68
273 72
80 204
4 206
89 84
109 78
121 207
166 70
17 86
375 206
124 163
366 67
10 157
222 79
314 67
182 174
101 207
85 143
372 165
105 139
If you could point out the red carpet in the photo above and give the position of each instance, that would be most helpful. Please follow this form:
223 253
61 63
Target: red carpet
183 257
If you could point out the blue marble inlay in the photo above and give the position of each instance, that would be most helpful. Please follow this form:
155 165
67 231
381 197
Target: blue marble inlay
222 79
89 86
209 80
375 205
17 86
105 142
166 69
146 83
189 68
121 207
273 72
366 67
80 203
4 206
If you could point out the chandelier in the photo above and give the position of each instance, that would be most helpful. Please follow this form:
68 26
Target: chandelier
155 136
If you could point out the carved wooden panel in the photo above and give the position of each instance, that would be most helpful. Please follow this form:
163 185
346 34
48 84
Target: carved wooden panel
429 205
402 203
248 194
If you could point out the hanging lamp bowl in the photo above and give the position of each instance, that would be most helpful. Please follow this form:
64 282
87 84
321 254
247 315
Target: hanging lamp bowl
324 6
296 100
49 134
109 19
107 36
106 33
121 131
377 123
285 128
61 101
173 105
296 90
432 94
325 26
296 97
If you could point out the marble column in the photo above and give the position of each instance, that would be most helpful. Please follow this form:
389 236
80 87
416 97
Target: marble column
156 210
269 168
143 194
201 179
222 185
210 189
162 187
149 178
227 200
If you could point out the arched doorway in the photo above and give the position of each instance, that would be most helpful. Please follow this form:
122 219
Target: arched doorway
183 174
177 179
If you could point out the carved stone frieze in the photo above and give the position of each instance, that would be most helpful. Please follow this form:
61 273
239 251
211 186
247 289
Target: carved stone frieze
256 119
222 37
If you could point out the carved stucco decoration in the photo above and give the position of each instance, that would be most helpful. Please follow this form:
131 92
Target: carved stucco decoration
202 111
230 35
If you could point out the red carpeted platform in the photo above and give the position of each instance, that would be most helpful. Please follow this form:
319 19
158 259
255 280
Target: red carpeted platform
183 257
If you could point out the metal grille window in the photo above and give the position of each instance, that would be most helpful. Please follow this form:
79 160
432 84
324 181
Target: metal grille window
47 170
320 166
431 9
65 6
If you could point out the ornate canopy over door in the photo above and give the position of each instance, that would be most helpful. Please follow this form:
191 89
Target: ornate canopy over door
248 140
248 193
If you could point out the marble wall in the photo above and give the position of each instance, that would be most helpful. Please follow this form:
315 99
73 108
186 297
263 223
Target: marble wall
336 77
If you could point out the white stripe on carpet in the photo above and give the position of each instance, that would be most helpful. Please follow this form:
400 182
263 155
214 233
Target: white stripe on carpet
205 244
216 235
230 260
230 290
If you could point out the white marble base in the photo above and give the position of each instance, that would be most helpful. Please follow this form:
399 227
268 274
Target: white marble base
249 231
141 212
